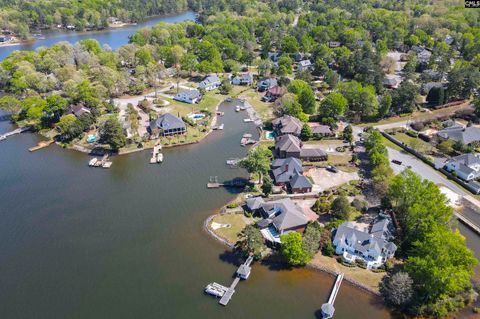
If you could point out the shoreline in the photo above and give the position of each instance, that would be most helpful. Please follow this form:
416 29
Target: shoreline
311 266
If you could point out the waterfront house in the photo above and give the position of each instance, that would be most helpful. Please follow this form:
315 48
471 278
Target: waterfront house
243 79
167 125
274 93
305 65
280 217
266 84
78 109
287 124
288 173
320 130
211 82
289 145
466 166
372 247
188 96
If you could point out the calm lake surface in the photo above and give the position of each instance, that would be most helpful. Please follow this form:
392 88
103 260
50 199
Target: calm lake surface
80 242
114 37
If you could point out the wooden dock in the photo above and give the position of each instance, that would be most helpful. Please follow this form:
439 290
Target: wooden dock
41 145
14 132
243 272
327 308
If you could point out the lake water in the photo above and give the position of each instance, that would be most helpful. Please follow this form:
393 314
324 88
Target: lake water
128 242
115 37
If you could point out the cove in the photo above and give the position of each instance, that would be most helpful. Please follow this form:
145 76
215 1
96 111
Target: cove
78 242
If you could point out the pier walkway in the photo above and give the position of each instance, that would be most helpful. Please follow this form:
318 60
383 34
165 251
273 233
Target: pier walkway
17 131
327 308
243 272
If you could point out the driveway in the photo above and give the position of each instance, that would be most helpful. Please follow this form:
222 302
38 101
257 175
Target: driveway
422 169
402 124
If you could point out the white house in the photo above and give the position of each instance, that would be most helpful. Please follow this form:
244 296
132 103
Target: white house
373 247
243 79
188 96
304 65
466 166
211 82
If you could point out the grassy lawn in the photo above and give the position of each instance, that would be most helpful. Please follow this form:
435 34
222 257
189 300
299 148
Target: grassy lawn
209 101
237 223
408 140
336 159
421 115
390 144
254 98
363 276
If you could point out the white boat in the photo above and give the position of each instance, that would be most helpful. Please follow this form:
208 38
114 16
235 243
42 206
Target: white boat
237 108
221 126
247 120
247 135
159 157
2 138
243 107
93 161
215 289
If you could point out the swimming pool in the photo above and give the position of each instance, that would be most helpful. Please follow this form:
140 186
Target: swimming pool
269 135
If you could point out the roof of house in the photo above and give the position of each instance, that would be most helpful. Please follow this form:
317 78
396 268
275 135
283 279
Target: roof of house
312 152
287 214
466 135
270 82
430 85
288 143
192 94
211 79
79 109
321 129
391 81
299 181
277 90
167 122
288 124
284 170
467 159
305 63
254 203
381 229
244 77
362 241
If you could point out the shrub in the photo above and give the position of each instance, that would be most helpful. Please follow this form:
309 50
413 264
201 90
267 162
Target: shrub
411 133
232 205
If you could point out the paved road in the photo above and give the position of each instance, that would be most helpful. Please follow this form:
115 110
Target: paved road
421 169
384 127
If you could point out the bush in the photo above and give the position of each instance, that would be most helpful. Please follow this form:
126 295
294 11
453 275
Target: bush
411 133
340 149
359 205
232 205
360 263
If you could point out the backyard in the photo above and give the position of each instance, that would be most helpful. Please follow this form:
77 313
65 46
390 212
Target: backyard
229 226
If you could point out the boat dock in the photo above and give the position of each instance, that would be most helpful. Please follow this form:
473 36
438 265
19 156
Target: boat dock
104 162
327 308
14 132
41 145
468 222
225 294
157 157
236 182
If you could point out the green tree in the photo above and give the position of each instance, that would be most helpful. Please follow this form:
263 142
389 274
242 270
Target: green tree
311 238
257 161
334 105
341 207
403 98
306 132
251 242
397 289
348 134
10 104
267 185
111 133
385 105
292 249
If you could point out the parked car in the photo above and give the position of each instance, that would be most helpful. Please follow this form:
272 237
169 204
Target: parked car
332 169
397 162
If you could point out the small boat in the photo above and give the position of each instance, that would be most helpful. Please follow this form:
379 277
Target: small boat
159 158
237 108
215 127
247 120
220 127
93 161
220 113
229 99
243 107
2 138
233 161
247 135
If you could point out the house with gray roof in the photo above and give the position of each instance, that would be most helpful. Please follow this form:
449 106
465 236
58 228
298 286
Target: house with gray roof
289 145
287 124
243 79
288 173
305 65
373 247
280 217
266 84
188 96
166 125
465 135
211 82
466 166
320 130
